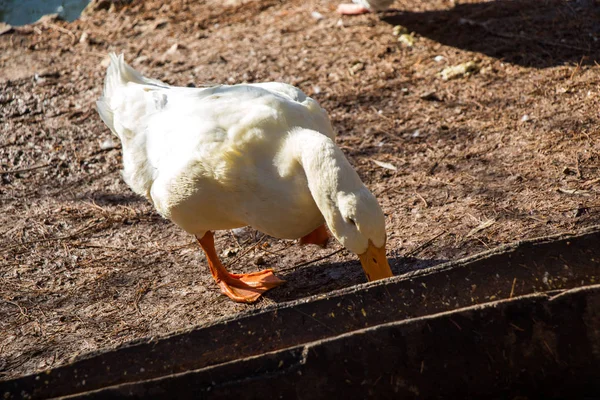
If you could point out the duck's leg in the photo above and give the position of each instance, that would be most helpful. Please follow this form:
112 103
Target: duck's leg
319 236
244 288
352 9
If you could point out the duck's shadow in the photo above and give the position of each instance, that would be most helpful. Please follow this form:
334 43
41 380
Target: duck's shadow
326 277
531 33
115 199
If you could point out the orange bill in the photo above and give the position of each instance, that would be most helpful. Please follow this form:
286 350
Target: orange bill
375 263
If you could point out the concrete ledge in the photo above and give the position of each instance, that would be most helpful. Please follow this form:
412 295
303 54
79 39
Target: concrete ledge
524 268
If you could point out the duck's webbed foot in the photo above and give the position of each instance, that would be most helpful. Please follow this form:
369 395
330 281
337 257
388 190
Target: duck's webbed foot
319 236
243 288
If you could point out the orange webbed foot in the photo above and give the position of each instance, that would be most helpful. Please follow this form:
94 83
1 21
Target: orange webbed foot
319 236
243 288
247 288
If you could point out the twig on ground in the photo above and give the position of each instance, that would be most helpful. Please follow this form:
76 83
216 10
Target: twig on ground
590 182
16 171
138 296
247 251
423 200
436 164
235 238
21 310
419 248
66 237
512 290
578 167
311 261
577 68
63 30
480 227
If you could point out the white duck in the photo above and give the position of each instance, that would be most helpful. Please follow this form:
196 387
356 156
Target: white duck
225 157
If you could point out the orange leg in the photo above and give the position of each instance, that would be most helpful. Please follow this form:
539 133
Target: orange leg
319 236
243 288
351 9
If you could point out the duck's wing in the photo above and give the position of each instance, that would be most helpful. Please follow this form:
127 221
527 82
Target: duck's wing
318 114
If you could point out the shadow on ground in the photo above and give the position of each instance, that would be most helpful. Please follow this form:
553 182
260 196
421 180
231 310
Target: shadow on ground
113 199
322 278
532 33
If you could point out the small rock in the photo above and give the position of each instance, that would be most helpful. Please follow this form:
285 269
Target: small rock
357 67
38 79
430 96
568 171
230 252
47 73
84 38
525 118
317 15
399 30
407 39
515 179
579 211
105 62
108 144
438 58
5 28
161 23
460 70
173 49
486 70
240 231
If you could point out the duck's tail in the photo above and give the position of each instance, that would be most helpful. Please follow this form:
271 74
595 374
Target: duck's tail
118 75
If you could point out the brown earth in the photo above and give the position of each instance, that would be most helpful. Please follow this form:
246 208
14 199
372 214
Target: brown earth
507 152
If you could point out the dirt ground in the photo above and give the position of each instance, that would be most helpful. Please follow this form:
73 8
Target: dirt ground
506 152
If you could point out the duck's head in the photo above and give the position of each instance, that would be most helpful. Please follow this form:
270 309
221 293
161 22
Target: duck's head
359 225
350 210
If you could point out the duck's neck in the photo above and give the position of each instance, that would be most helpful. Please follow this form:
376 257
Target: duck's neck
327 170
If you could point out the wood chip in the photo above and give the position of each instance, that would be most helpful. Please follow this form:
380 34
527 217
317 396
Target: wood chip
481 227
575 191
385 165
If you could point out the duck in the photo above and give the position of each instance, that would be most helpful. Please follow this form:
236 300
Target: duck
363 6
228 156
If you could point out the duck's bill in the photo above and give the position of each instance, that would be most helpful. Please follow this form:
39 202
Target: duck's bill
375 263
